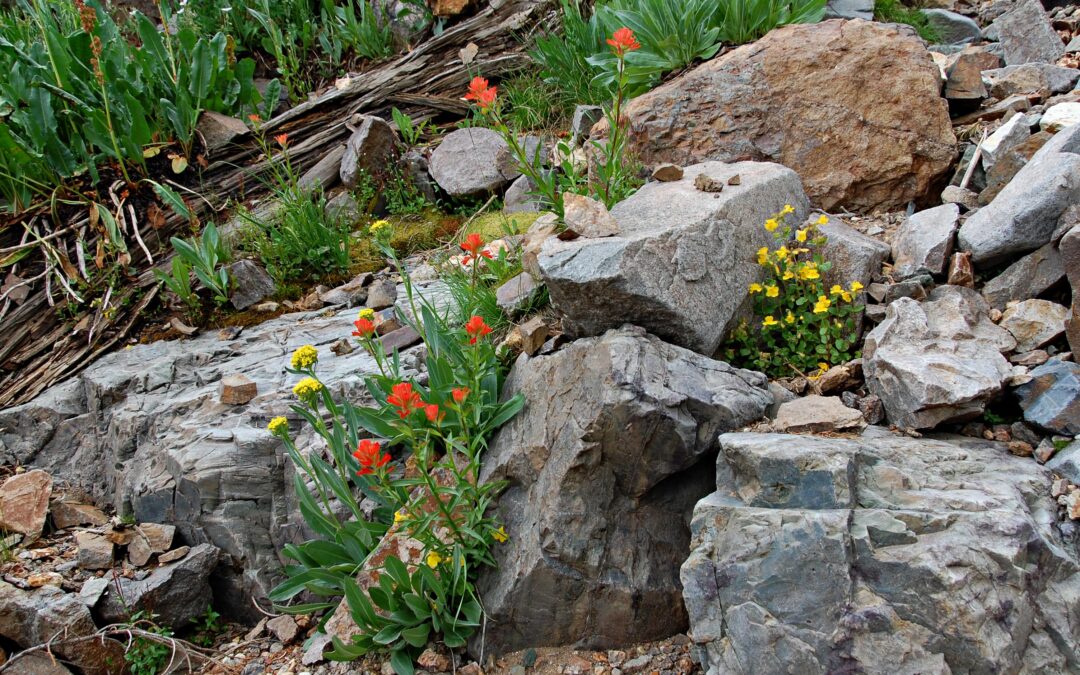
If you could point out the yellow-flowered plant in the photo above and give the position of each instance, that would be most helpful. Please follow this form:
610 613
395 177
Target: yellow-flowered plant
799 325
305 357
307 387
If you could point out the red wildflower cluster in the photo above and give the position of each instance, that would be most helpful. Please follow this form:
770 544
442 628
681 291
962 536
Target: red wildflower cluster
282 140
476 329
364 328
370 456
474 246
460 394
405 399
481 93
623 41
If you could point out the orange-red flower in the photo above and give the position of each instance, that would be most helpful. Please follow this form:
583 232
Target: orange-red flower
405 399
369 454
472 243
460 394
623 41
476 329
254 118
480 92
282 139
432 413
364 328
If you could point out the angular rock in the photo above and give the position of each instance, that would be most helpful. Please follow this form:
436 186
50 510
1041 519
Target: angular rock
284 628
964 83
752 103
514 295
414 167
325 173
1059 116
24 503
595 507
69 514
1067 462
816 414
683 261
237 390
1026 35
1008 163
343 208
1028 277
954 29
1010 134
533 334
954 194
352 293
519 197
665 173
936 362
95 551
1024 215
1051 399
816 552
1031 77
585 116
218 131
961 271
854 255
32 618
371 148
381 294
471 162
250 283
587 217
174 555
1034 323
178 593
924 241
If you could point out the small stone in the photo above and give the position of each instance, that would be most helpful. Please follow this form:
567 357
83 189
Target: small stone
138 552
955 194
218 130
92 589
342 347
533 334
1044 450
39 579
250 283
1051 399
95 551
924 241
284 628
1059 116
954 29
1035 357
816 414
637 664
707 183
433 660
585 116
871 408
399 339
735 180
349 294
68 514
237 390
514 295
667 173
587 217
267 307
24 502
961 271
1021 449
382 294
370 149
173 555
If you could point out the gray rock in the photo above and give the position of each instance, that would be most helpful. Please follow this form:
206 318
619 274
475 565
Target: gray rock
92 589
178 593
938 361
954 194
1026 35
1051 399
370 149
218 131
600 478
283 627
95 551
35 663
954 29
1028 277
816 552
780 397
1034 323
1010 134
350 294
32 618
1067 462
515 294
816 414
1031 77
250 283
924 241
1024 215
585 116
519 197
588 217
1060 116
854 255
850 9
381 294
325 173
415 169
683 261
343 207
471 162
964 86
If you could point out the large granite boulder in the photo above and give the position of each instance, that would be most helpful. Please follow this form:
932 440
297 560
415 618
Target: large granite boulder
1024 215
683 259
880 554
471 162
819 98
614 447
938 361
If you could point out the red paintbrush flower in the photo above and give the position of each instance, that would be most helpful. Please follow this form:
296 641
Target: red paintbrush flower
405 399
623 41
476 329
481 93
369 454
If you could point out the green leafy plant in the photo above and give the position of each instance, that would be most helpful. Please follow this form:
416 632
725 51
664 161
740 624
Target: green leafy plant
742 21
410 132
563 55
800 327
474 278
178 280
206 256
533 104
147 656
207 627
893 11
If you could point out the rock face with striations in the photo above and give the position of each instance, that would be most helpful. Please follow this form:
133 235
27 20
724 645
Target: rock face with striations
880 554
819 98
682 261
601 477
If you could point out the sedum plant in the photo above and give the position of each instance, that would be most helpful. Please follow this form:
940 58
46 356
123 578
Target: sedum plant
799 325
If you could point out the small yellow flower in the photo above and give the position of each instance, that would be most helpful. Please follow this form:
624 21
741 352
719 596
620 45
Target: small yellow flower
756 288
306 387
769 321
837 289
788 274
856 287
782 253
366 313
500 535
399 516
305 357
800 236
823 219
846 296
763 255
772 291
809 272
771 224
822 304
378 225
790 318
788 208
433 559
822 366
278 425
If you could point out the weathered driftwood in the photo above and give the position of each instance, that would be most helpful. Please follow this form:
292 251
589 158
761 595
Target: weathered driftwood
39 346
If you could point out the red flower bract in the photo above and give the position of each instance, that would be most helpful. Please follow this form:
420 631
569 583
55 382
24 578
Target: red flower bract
432 413
476 329
459 394
473 243
480 92
623 41
282 139
404 398
370 457
364 328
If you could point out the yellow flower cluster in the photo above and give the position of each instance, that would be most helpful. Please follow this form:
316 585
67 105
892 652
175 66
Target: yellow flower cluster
305 357
500 535
278 425
433 559
306 387
379 225
366 313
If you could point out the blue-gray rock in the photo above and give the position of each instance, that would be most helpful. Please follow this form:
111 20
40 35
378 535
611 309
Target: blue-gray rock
1067 462
1051 399
1024 215
936 361
472 162
683 259
250 283
178 593
854 255
1010 134
519 197
850 9
954 29
1026 78
879 554
601 478
924 241
1028 277
1026 35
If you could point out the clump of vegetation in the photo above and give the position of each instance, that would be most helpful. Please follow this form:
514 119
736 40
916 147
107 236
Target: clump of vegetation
893 11
206 256
147 656
799 326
